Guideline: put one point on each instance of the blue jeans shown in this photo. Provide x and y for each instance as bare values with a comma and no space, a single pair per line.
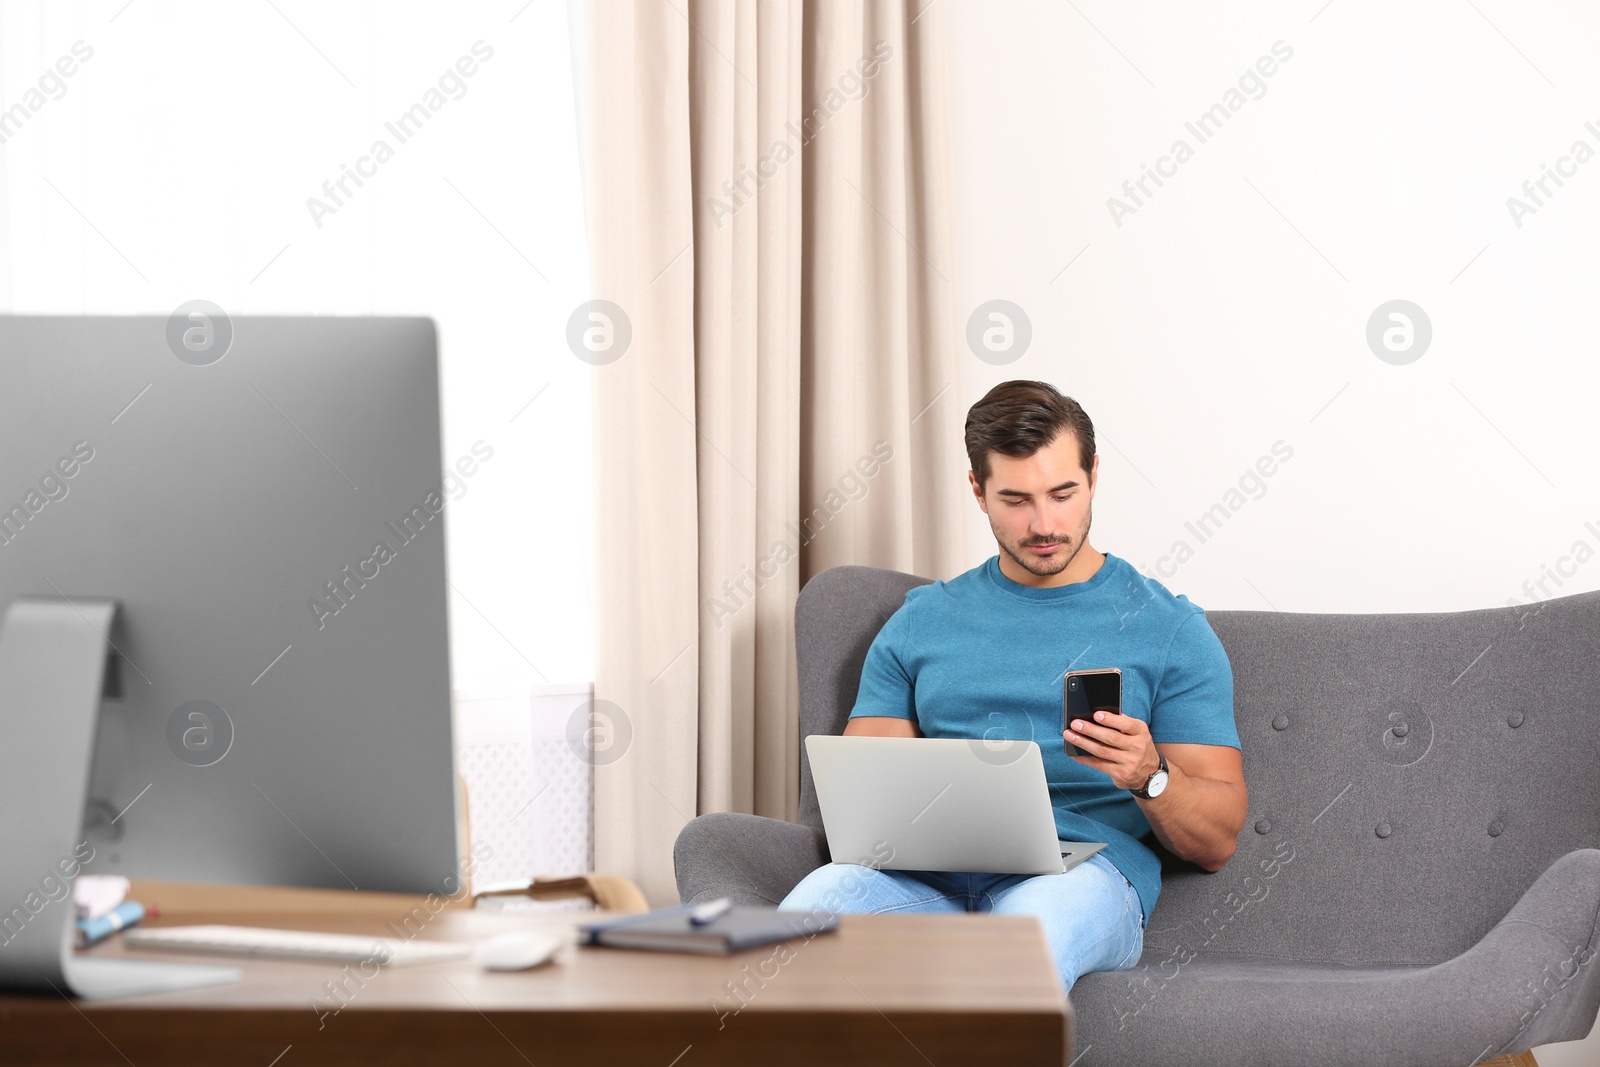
1091,915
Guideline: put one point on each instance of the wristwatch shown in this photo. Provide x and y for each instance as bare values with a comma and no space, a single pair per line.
1157,782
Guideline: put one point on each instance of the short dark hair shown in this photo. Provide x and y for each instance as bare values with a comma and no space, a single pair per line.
1018,418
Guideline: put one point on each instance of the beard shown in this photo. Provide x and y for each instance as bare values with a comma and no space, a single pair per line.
1056,562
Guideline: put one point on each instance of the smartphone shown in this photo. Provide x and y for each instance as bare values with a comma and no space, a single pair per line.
1086,692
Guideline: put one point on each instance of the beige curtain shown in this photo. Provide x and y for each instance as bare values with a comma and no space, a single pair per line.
768,207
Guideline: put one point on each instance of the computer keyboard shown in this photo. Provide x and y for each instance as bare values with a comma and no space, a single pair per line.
294,944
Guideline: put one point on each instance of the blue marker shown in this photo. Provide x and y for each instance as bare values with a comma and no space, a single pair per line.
91,931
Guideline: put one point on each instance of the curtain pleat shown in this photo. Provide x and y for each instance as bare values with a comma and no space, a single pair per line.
768,203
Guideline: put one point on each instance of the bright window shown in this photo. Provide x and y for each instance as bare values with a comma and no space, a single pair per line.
291,157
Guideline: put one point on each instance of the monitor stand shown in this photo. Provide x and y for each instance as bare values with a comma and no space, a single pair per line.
53,655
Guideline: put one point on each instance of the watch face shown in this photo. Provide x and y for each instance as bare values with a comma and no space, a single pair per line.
1158,782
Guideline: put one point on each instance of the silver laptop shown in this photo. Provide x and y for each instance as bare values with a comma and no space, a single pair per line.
939,804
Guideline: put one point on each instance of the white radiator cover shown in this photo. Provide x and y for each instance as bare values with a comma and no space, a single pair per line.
529,795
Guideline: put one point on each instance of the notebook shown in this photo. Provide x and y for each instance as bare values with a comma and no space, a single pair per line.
669,929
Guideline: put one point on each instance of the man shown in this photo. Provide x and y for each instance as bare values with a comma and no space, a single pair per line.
983,656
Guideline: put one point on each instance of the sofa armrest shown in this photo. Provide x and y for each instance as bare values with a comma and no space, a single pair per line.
1530,980
1543,952
751,859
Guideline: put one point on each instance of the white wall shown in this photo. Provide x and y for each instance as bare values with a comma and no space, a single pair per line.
1206,327
1229,311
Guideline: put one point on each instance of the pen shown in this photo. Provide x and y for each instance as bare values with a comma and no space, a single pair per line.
709,911
91,931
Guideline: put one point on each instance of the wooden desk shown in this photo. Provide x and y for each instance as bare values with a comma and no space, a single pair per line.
911,989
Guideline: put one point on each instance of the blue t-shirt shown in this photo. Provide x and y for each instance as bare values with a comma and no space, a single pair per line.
981,656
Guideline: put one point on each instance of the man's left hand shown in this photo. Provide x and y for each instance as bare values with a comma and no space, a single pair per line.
1117,744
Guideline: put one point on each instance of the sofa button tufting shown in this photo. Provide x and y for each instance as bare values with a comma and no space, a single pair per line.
1496,828
1384,830
1281,722
1514,720
1400,729
1263,826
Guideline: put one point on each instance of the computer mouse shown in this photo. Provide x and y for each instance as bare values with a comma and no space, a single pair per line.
515,952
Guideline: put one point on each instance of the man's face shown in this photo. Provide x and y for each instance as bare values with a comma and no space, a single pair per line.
1039,507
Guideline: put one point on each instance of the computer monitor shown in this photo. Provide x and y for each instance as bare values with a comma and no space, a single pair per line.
261,498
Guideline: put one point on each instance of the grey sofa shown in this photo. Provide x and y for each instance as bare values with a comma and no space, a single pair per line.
1417,882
